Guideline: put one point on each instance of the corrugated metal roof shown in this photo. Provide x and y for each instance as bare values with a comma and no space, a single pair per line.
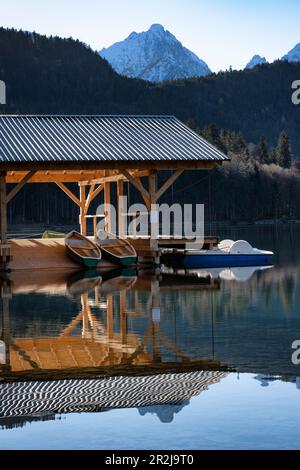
101,138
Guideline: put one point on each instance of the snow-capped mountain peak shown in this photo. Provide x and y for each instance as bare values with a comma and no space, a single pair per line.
256,60
155,55
293,55
157,28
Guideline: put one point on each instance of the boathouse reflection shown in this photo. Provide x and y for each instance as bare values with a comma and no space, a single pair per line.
97,340
68,325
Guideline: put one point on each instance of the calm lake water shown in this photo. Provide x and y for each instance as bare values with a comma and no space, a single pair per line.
125,361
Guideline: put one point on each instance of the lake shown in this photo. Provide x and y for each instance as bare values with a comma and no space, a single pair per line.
199,360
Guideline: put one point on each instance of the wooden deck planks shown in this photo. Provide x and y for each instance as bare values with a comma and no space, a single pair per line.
43,254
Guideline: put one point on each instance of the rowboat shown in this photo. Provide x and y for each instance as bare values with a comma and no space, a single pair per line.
82,250
228,253
116,250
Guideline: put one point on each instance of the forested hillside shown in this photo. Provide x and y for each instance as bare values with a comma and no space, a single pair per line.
63,76
53,75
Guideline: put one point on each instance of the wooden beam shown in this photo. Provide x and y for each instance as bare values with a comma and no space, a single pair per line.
82,219
62,176
114,178
136,182
154,224
168,183
88,199
6,332
123,317
121,209
110,317
110,165
103,179
69,193
107,207
85,315
19,186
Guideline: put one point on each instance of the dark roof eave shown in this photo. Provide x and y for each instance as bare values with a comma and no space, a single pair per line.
110,165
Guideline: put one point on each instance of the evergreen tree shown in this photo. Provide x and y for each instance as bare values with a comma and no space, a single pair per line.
212,134
272,156
263,150
283,151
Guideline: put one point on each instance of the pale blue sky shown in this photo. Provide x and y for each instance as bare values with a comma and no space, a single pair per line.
221,32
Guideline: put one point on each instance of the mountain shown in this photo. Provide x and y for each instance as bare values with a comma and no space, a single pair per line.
256,60
155,55
293,55
54,75
62,76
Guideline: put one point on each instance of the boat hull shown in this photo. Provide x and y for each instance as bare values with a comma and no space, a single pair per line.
86,262
191,261
124,261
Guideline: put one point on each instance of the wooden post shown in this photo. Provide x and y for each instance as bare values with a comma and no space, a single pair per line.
4,247
121,208
95,226
123,317
110,316
155,303
85,315
82,219
110,326
154,222
6,329
107,207
3,209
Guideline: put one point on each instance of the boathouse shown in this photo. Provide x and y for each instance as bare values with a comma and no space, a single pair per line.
96,152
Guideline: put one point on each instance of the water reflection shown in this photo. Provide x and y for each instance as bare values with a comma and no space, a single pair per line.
35,399
117,324
97,341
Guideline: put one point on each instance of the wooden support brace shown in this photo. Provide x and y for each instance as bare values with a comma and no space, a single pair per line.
95,193
168,183
69,193
136,182
88,199
19,186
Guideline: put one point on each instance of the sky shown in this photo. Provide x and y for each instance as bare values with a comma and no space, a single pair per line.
224,33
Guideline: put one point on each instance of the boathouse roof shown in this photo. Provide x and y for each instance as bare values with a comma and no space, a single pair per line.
63,139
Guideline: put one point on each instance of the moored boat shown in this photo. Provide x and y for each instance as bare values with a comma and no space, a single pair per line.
228,253
116,250
83,250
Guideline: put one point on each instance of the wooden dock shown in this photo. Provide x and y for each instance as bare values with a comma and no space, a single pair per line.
43,254
50,254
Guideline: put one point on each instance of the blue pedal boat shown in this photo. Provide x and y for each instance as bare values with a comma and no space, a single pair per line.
228,253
